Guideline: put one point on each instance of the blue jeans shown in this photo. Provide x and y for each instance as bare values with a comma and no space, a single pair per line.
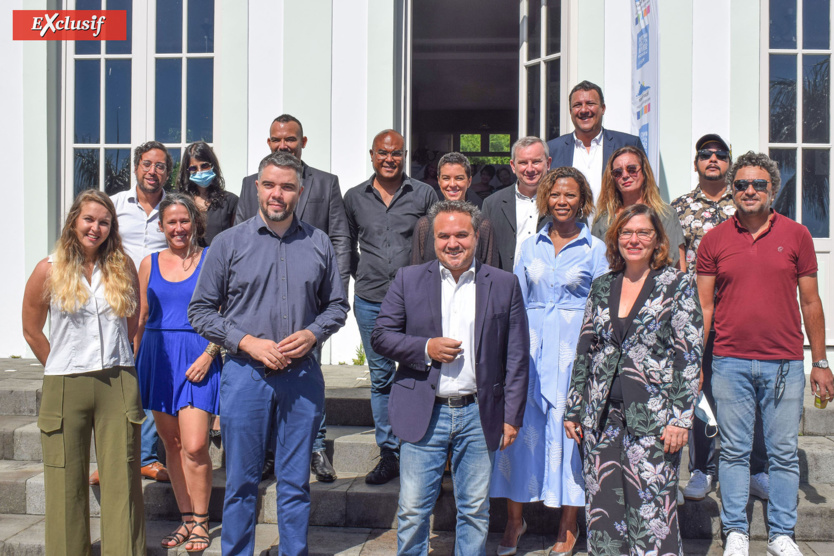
150,439
318,443
281,412
382,374
421,473
739,386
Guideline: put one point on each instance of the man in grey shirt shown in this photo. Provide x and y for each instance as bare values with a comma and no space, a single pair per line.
269,292
382,212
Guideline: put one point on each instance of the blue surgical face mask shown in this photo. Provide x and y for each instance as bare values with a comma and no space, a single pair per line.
203,179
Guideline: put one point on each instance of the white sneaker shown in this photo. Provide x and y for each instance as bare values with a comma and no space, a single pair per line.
783,545
760,485
699,485
737,544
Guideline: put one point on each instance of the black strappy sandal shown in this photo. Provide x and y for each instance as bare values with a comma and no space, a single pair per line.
177,537
199,539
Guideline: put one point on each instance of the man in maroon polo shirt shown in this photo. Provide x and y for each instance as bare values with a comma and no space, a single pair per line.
749,269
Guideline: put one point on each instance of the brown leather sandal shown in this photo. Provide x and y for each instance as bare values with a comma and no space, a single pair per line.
193,538
176,538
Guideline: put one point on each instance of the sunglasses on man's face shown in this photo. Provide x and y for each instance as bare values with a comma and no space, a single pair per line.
758,185
706,154
632,170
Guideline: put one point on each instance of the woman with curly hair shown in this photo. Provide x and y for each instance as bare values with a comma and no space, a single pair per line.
628,180
89,287
632,393
200,177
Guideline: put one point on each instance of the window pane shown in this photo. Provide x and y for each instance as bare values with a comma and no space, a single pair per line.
87,94
499,142
553,100
534,29
122,47
782,23
816,98
782,98
176,157
554,26
88,47
168,101
785,202
168,26
815,190
470,143
200,100
86,170
816,23
201,25
533,100
116,170
117,101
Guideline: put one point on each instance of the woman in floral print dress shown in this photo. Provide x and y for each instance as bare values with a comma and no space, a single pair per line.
634,384
555,269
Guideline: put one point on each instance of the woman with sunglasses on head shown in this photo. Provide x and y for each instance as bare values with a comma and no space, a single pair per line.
179,370
89,288
633,389
200,177
555,269
628,180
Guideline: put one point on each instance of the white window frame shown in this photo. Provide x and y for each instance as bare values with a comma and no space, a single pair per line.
822,246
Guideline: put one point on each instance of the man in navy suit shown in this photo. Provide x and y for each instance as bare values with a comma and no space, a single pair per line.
461,339
590,146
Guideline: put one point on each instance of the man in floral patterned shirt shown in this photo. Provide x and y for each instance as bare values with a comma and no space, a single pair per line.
700,210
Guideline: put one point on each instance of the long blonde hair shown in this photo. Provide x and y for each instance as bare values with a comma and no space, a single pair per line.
65,286
610,198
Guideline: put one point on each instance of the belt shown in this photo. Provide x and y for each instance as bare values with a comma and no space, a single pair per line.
457,401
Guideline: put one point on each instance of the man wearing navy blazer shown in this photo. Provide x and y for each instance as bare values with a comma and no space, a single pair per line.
321,206
461,339
590,145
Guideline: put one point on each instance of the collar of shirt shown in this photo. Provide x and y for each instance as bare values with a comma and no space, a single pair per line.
133,197
522,197
261,227
406,185
584,234
446,274
774,216
699,194
595,141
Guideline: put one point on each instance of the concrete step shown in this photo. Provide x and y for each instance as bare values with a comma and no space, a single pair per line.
23,536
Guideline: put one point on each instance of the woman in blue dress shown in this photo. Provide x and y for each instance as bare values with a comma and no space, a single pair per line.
555,269
179,370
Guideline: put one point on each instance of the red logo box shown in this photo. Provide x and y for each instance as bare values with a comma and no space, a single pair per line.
66,25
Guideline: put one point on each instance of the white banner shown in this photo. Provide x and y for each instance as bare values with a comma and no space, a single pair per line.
644,77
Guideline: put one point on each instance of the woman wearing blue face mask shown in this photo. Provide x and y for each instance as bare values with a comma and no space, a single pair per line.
200,177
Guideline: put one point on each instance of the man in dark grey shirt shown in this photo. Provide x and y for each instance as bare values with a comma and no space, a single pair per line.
382,213
270,291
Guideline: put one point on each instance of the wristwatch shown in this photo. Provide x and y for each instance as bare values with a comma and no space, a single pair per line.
821,364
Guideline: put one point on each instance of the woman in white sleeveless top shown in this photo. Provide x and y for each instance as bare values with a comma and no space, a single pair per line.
89,288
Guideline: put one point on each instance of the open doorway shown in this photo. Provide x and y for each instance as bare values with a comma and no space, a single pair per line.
464,87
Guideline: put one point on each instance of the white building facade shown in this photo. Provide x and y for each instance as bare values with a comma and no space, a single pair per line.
754,71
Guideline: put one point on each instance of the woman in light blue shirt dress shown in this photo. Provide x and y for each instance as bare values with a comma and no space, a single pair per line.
555,268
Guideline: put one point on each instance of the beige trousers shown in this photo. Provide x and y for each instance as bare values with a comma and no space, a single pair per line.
73,407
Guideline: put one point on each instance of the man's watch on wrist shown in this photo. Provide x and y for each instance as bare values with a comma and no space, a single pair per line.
821,364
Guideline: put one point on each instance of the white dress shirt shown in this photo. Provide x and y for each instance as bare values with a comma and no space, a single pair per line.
589,163
526,219
139,230
458,305
90,339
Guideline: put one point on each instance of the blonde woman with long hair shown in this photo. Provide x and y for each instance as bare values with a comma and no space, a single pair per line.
90,289
628,180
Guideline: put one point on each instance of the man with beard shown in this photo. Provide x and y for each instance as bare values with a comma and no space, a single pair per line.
321,206
749,269
269,292
700,210
141,236
382,212
513,211
459,332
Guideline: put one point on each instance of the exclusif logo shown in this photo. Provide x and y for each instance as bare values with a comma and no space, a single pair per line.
74,25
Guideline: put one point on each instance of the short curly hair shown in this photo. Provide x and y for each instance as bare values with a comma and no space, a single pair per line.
758,160
586,196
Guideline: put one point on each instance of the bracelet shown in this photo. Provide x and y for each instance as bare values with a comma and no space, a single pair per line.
212,350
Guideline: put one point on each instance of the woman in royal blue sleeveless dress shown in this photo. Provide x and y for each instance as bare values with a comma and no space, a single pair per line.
179,370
